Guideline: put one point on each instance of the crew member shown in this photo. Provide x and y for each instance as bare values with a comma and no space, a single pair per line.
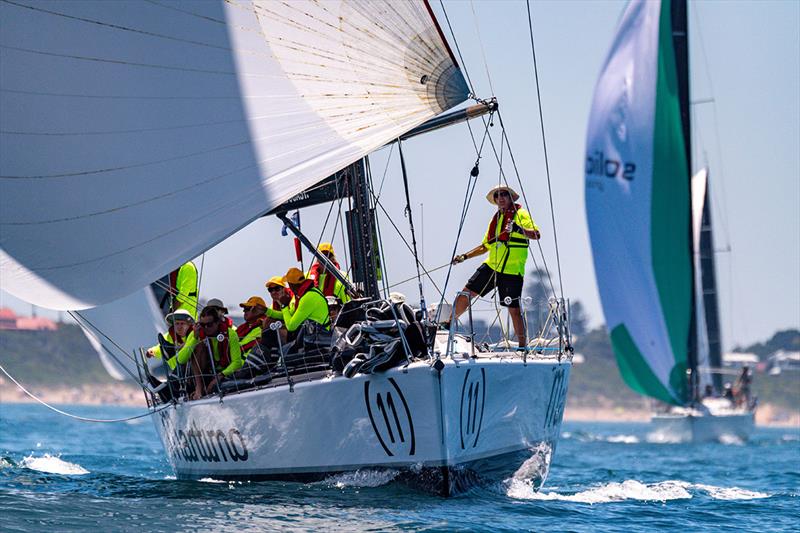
180,328
281,295
255,312
213,336
506,240
182,291
310,303
324,280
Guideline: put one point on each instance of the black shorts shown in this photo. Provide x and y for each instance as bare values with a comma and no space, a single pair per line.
484,280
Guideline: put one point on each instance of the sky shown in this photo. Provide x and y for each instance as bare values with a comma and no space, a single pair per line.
745,55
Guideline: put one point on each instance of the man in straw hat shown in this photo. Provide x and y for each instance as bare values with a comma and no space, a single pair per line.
506,240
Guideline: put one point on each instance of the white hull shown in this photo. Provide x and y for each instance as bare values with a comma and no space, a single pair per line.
479,417
691,425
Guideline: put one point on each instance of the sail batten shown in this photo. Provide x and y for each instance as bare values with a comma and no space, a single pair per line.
136,136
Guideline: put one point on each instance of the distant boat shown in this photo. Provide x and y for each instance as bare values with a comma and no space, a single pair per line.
650,229
138,135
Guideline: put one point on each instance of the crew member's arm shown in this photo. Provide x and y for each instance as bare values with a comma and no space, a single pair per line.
186,352
294,318
235,350
478,250
525,225
274,313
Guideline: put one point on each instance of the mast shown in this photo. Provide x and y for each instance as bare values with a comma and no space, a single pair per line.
680,43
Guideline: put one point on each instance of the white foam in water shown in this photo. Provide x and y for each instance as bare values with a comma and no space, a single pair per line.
210,480
362,478
623,439
633,490
53,465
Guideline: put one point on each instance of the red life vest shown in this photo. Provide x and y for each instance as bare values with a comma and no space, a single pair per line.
316,272
222,347
243,330
508,216
304,288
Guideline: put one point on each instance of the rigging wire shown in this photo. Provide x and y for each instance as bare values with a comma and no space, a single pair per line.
409,214
109,339
76,417
544,146
480,42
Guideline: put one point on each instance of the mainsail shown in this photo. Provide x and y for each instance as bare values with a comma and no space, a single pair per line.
136,135
638,202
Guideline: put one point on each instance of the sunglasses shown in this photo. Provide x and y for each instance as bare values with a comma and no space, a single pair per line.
501,193
208,324
273,289
247,308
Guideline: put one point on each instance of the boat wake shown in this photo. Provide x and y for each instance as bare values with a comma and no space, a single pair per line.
632,490
583,436
361,478
51,464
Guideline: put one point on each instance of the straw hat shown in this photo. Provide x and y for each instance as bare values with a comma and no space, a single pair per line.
495,190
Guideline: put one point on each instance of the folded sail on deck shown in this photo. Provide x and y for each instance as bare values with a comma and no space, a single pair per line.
638,204
136,135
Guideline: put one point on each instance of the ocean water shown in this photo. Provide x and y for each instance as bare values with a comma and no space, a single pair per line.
57,474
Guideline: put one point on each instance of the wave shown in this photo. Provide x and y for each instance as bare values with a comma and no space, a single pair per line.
51,464
634,490
362,478
583,436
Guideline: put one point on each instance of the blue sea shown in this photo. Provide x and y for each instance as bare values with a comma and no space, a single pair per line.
58,474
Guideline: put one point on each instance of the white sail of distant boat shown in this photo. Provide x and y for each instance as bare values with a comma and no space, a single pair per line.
162,128
137,135
648,219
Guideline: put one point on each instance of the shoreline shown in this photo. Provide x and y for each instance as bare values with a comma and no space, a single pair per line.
128,395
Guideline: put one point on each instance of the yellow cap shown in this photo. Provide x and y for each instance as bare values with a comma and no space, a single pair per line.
253,301
325,247
294,276
275,280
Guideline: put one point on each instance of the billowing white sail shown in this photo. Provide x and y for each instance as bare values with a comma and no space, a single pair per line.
699,187
135,135
121,328
638,202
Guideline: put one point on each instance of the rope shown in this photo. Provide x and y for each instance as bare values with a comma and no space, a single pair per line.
109,339
411,227
76,417
480,42
544,145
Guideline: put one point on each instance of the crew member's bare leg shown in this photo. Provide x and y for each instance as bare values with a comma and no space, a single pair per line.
462,303
519,325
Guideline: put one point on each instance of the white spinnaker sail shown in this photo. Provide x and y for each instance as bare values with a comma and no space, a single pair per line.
124,325
135,135
699,183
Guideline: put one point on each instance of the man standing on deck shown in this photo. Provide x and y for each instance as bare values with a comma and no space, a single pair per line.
506,240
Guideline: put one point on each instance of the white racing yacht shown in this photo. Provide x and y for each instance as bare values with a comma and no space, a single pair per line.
115,112
651,233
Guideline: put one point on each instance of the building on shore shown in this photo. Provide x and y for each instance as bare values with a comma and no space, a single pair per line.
9,320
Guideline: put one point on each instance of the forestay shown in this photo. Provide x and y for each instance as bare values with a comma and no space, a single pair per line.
638,202
136,135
